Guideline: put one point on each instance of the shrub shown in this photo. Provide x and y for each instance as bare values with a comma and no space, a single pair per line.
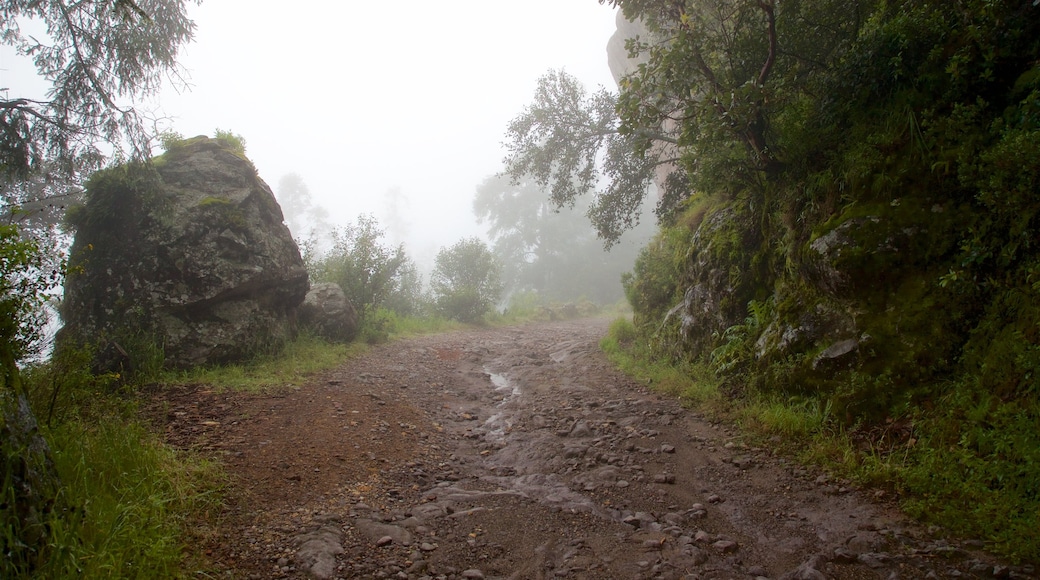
467,280
370,272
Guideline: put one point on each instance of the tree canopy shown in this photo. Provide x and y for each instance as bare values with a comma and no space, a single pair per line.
568,141
98,57
704,108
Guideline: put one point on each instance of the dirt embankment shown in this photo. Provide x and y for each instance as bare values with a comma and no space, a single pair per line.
521,453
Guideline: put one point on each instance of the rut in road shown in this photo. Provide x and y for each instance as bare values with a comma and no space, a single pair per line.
522,453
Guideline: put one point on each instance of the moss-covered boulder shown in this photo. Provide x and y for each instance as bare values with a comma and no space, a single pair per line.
188,251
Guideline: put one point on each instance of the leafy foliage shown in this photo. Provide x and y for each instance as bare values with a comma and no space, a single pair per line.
25,283
98,56
558,142
466,280
369,272
234,141
879,163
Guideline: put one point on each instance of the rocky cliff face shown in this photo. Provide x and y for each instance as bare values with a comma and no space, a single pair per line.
190,252
617,55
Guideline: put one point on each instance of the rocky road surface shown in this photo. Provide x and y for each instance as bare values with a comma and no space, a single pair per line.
521,453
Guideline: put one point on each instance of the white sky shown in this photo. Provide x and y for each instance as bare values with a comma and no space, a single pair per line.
360,98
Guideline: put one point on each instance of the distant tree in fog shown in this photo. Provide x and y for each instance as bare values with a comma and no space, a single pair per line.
551,250
302,217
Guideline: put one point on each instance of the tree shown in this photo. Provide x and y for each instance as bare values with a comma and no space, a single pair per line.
567,141
368,271
553,251
720,70
701,107
299,210
98,56
466,280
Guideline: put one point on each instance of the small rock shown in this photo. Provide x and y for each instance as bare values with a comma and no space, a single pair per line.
384,541
725,546
653,544
757,571
714,498
844,555
871,560
473,574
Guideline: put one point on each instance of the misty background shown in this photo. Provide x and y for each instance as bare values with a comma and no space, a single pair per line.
390,109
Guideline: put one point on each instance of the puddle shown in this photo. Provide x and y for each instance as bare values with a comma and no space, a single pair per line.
545,488
499,423
502,383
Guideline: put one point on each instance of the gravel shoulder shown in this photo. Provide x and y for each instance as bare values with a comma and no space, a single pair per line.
522,453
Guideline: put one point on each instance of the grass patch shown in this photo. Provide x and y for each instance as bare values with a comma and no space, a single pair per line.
301,358
693,384
128,506
129,502
969,462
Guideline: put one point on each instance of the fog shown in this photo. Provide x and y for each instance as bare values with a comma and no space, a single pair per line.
394,109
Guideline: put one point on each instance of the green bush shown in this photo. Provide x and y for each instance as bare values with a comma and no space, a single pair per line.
466,280
236,142
372,274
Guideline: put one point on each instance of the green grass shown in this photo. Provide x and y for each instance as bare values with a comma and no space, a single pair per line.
971,463
292,366
129,502
693,384
128,505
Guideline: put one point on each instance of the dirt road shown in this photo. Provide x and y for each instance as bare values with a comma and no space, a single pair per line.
521,453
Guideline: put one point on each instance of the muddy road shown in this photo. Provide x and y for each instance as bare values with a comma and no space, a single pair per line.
521,453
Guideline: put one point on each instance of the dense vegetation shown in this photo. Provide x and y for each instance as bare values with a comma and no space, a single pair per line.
862,208
852,186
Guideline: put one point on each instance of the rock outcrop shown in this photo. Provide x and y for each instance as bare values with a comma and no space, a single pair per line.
189,252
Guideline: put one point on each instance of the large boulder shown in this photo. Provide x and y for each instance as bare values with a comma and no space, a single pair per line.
327,311
189,252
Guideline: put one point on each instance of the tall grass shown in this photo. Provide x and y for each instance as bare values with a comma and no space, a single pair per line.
693,384
126,503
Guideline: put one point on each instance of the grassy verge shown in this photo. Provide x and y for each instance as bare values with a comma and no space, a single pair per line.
128,506
299,359
129,503
969,462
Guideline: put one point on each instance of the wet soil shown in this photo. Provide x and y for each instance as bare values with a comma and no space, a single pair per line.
522,453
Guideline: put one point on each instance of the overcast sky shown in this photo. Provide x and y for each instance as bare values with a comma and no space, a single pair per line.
360,98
